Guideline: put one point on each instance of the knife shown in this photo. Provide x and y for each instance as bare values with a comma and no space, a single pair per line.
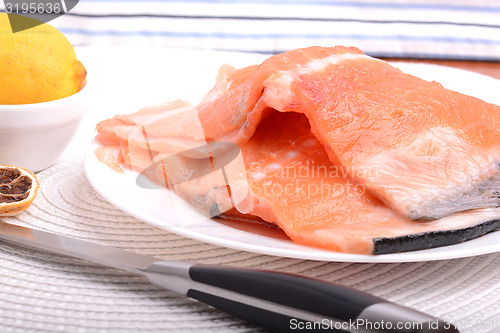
277,301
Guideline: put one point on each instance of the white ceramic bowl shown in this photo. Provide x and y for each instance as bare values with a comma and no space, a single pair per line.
33,136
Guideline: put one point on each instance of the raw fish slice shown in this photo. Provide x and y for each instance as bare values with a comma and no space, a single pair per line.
290,181
151,134
169,127
233,109
111,156
290,178
424,150
165,144
294,184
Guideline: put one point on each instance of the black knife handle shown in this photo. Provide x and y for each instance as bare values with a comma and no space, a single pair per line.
288,303
290,298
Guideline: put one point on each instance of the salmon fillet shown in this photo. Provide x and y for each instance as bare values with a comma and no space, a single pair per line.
290,181
314,141
422,149
317,204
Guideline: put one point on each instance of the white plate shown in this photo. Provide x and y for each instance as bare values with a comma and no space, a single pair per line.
161,208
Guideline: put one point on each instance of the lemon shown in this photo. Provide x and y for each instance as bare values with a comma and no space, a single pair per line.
37,64
18,189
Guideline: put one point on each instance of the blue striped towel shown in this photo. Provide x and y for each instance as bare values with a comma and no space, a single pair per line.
437,29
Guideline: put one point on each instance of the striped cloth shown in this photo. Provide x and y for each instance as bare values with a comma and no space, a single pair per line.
429,29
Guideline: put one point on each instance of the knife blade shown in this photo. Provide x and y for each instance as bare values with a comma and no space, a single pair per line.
277,301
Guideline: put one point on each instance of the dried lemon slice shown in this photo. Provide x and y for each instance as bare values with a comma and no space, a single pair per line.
18,188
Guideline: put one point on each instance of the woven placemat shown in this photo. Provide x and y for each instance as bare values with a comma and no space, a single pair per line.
41,292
